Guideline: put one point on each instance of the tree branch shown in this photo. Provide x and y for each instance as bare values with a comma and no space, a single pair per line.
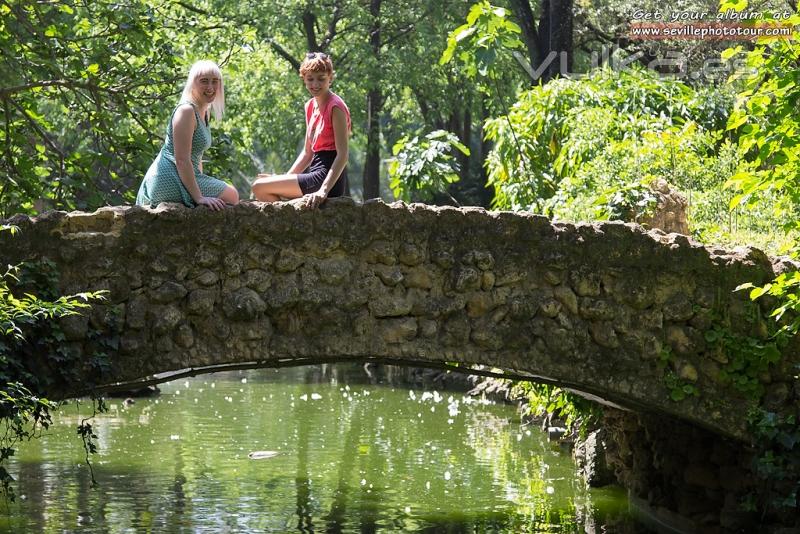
408,28
281,51
10,91
9,156
524,13
600,33
190,7
39,130
331,33
124,86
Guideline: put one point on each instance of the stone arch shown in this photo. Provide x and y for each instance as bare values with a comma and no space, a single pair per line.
592,307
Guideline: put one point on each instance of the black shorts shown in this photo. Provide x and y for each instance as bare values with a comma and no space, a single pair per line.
311,180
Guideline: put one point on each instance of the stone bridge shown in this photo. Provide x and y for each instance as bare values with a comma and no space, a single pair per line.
607,309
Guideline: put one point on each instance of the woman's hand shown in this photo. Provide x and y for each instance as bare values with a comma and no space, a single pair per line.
313,200
213,203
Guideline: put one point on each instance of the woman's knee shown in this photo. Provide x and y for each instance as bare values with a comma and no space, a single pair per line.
230,195
273,188
260,190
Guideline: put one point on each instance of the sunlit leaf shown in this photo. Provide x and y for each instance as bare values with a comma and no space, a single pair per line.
464,33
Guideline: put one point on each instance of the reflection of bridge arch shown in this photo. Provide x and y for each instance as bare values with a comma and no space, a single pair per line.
593,307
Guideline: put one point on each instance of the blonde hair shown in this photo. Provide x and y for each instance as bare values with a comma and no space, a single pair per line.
316,62
200,68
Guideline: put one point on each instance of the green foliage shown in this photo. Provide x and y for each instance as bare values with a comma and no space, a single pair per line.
618,182
482,47
15,313
569,129
595,148
87,435
679,389
487,32
76,101
786,289
23,411
422,168
24,416
776,463
545,400
766,123
746,358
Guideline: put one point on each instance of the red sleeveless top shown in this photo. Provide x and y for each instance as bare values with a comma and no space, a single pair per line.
319,123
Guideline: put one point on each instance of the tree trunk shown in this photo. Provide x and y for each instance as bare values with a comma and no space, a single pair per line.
522,10
372,157
466,138
484,148
553,34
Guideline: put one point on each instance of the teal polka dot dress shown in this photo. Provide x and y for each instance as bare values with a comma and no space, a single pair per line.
162,183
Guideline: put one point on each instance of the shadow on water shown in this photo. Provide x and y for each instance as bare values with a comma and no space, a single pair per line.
335,519
372,374
178,494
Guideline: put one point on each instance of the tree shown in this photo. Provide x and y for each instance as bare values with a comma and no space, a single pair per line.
551,36
79,82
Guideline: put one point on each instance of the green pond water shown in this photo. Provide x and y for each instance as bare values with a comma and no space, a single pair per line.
351,457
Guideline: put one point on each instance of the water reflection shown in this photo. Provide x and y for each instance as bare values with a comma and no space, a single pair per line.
351,458
302,480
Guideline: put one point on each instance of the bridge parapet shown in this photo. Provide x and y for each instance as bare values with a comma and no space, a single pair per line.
599,308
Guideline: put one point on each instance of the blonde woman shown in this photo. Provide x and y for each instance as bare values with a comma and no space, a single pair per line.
176,175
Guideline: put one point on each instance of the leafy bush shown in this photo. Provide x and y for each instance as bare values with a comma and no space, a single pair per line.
544,400
589,149
765,121
554,130
424,167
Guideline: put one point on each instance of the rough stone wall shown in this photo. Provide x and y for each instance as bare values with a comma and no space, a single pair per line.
678,468
589,306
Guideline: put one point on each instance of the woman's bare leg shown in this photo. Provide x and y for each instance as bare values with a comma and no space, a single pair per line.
273,188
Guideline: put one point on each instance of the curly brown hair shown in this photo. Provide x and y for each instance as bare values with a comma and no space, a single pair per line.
316,62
